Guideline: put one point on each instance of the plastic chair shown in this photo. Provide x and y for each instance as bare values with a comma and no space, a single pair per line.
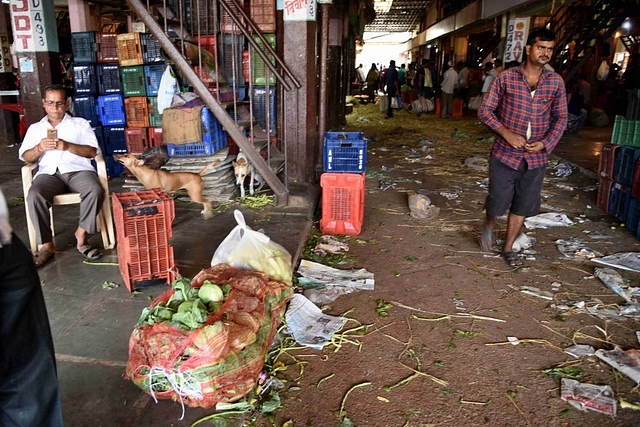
105,217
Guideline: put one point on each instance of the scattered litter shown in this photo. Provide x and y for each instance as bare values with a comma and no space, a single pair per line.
638,336
563,170
109,285
422,141
580,350
533,291
484,184
624,260
596,235
421,207
308,325
625,361
623,312
614,281
628,405
459,304
555,286
513,340
588,188
588,396
489,139
459,134
324,284
362,120
449,196
523,241
385,185
477,162
545,220
574,248
565,187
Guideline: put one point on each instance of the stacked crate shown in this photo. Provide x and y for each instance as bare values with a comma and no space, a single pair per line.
143,223
343,182
213,139
619,174
141,69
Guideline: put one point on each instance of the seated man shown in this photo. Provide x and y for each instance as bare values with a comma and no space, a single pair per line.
63,147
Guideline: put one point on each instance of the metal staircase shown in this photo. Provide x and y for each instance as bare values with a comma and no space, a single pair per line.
579,27
184,31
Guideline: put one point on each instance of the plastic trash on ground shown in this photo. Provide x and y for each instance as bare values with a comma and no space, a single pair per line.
616,283
588,396
624,260
421,207
625,361
308,325
523,241
324,284
546,220
580,350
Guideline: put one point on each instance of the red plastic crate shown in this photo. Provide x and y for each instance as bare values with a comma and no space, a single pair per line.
143,223
635,186
604,193
137,111
342,203
208,42
155,136
106,47
137,140
607,160
227,25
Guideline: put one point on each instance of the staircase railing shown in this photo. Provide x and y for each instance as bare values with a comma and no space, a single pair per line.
219,111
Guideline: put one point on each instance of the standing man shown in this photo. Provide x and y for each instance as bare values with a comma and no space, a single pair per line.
29,393
448,85
361,76
64,165
526,106
392,85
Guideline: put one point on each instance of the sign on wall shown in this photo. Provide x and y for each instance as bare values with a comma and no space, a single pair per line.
299,10
517,33
34,26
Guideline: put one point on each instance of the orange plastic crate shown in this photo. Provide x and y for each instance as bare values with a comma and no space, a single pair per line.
106,47
137,111
155,136
263,15
137,140
129,49
143,223
342,203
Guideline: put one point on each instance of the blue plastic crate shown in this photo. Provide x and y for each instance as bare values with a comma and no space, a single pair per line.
115,140
633,215
85,80
259,107
108,78
100,137
215,142
619,201
111,110
152,76
85,107
625,165
210,126
114,167
344,152
83,46
230,58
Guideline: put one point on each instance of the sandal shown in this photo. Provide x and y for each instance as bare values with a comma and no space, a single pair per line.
41,257
486,239
90,252
512,259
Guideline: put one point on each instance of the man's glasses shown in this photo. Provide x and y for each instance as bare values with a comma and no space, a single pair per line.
52,103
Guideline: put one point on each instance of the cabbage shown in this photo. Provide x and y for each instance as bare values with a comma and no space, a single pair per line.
210,292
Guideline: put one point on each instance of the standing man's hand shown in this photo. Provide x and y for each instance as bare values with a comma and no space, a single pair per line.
513,139
534,147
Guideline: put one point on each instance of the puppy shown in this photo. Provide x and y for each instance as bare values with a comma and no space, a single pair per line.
169,181
242,168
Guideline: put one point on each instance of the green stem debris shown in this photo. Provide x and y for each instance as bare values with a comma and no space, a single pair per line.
344,399
324,379
429,319
217,415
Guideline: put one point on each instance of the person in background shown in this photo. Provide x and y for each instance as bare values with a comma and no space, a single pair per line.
512,64
372,82
410,74
402,71
576,114
526,106
29,391
392,86
489,75
448,85
463,80
497,65
360,76
64,165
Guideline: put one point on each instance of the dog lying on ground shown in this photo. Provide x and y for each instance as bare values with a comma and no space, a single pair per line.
242,168
169,181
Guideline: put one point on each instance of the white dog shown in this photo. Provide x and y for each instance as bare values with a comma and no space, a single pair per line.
242,168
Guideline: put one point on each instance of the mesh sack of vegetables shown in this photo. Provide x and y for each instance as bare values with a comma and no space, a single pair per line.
204,342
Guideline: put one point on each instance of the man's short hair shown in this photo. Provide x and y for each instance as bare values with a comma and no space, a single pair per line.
54,88
542,34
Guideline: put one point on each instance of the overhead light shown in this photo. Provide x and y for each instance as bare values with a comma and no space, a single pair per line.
626,24
382,6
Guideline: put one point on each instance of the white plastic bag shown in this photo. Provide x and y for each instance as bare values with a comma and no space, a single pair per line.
168,87
474,102
603,71
251,250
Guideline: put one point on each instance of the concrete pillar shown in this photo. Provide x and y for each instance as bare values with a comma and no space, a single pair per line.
8,119
299,53
80,16
35,36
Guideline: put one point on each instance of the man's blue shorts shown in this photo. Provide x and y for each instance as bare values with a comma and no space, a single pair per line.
515,190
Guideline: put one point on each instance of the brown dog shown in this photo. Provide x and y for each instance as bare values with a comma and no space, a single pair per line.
169,181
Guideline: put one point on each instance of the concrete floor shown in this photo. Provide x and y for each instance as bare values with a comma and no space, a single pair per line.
91,326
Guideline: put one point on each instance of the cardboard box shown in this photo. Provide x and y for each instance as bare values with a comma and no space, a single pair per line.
182,125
